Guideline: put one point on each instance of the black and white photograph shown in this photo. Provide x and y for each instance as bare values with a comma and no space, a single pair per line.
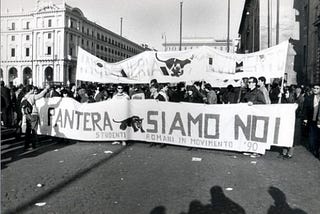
160,107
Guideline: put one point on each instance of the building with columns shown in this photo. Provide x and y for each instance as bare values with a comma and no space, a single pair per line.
41,46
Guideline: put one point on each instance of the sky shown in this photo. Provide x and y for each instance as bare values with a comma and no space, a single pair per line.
146,21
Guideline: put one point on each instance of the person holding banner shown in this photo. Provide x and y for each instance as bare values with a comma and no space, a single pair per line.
242,90
31,114
164,91
311,119
211,94
120,94
197,95
154,90
254,95
262,87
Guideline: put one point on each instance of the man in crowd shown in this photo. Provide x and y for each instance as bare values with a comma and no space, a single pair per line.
254,95
6,104
311,118
120,94
211,94
242,90
263,89
197,96
154,91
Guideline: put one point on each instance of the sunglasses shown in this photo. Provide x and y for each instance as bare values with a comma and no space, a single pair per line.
120,88
250,82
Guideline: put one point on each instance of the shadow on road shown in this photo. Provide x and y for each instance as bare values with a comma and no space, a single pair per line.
221,204
280,203
60,186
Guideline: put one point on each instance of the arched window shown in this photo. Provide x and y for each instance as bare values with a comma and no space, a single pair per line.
48,73
27,76
13,74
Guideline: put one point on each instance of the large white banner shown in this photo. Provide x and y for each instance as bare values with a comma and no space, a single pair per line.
204,63
236,127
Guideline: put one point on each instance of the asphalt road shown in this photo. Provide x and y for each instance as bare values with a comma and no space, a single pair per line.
85,177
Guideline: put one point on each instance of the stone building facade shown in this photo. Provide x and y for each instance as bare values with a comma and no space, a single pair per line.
259,30
41,46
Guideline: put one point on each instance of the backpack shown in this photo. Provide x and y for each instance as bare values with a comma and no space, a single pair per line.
26,107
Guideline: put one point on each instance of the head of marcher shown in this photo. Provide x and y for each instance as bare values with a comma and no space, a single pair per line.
120,89
252,83
197,85
261,81
30,89
316,89
207,87
244,82
154,89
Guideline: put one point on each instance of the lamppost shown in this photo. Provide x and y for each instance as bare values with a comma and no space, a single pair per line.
252,16
277,23
121,26
228,36
180,42
164,36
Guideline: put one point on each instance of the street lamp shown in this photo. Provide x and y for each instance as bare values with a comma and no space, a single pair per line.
180,26
164,36
228,36
252,16
121,26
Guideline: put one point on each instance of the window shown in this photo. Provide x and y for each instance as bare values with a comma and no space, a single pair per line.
71,37
27,25
82,29
49,50
82,41
13,52
49,35
70,51
13,26
27,51
13,38
49,23
27,37
98,46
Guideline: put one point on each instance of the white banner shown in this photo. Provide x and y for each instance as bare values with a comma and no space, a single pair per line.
204,63
236,127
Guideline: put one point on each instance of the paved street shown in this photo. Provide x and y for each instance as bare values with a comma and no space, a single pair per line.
84,177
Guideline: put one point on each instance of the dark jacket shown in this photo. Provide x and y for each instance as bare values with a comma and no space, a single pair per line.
255,96
308,108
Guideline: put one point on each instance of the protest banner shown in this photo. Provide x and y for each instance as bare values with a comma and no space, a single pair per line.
204,63
235,127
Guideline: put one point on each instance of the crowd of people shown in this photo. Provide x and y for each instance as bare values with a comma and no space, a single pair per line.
252,90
